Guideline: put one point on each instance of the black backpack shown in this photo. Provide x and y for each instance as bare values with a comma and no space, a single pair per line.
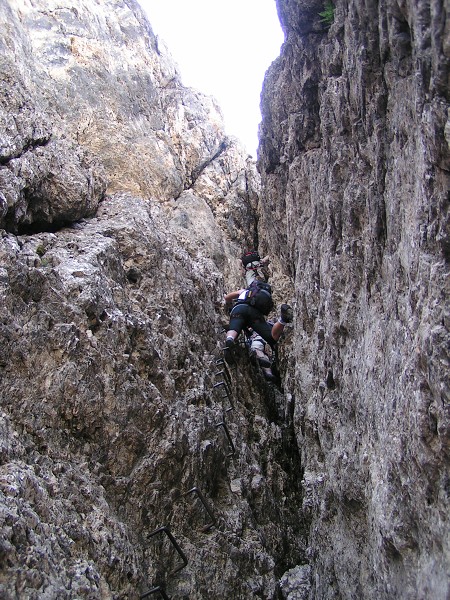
249,257
259,295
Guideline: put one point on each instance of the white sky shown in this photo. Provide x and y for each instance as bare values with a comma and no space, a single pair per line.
223,48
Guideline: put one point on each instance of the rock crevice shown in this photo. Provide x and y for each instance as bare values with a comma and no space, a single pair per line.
121,229
119,238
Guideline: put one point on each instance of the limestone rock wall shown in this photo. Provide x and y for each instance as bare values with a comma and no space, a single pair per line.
89,90
354,160
124,208
109,416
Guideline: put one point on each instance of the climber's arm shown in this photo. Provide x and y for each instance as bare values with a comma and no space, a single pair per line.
232,296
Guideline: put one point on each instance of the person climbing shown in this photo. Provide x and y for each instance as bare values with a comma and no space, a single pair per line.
251,306
255,267
262,353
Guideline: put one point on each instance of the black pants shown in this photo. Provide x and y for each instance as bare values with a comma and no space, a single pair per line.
244,315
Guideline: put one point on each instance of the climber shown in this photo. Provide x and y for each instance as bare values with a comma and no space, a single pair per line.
262,353
254,267
251,305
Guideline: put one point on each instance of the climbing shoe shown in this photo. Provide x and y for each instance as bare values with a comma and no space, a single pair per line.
287,314
228,351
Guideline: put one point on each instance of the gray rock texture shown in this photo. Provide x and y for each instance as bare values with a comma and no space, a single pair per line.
109,417
124,208
354,160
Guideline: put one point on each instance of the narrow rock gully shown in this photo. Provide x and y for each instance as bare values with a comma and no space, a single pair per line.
257,459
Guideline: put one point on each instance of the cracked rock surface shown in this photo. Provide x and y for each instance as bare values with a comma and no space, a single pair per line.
354,160
110,415
124,210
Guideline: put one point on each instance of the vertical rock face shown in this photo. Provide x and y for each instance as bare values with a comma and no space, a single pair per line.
89,82
123,210
354,159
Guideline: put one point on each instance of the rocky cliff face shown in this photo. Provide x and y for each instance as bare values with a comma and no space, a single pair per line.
124,210
354,160
124,207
